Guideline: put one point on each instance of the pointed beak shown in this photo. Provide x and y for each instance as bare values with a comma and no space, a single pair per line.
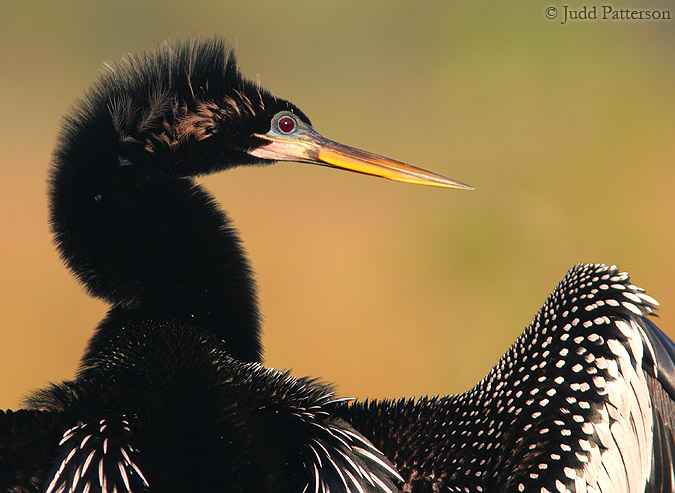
309,146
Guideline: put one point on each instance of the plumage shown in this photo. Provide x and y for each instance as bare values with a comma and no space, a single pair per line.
173,411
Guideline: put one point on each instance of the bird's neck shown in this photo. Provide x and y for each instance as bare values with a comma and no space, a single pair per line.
154,244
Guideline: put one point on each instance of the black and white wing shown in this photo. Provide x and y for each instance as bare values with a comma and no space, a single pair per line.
592,381
583,401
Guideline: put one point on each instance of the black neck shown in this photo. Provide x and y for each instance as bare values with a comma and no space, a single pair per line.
128,219
154,243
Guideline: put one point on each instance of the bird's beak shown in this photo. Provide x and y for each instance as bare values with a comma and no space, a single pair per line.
309,146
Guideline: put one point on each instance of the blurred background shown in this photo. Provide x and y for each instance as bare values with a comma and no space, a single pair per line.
566,131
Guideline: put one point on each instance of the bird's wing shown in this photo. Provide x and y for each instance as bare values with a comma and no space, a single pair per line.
610,381
97,456
583,400
28,441
640,400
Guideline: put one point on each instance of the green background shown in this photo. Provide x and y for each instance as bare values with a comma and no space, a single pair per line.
386,289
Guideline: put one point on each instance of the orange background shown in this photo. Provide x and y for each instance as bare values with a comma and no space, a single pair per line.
567,132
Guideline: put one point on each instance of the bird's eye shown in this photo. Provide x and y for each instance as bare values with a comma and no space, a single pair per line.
286,124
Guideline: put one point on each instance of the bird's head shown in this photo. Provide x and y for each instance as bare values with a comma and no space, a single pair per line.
282,132
187,109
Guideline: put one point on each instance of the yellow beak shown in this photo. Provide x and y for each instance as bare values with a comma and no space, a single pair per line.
306,145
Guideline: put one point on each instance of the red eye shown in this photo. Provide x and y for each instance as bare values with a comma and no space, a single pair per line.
286,124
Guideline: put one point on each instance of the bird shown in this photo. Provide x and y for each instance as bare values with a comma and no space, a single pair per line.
171,394
583,401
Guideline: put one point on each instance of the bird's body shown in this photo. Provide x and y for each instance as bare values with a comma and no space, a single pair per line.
171,395
162,405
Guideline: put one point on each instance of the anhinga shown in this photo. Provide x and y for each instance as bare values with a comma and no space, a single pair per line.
170,394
